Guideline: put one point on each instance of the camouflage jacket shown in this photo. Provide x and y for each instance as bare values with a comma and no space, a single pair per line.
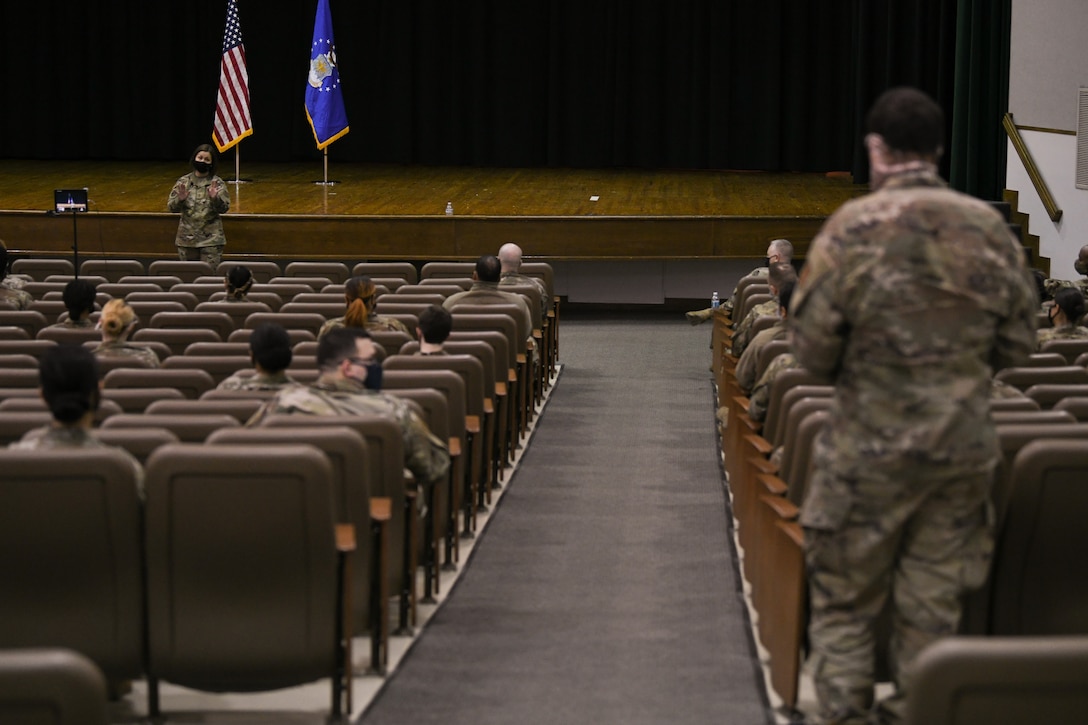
743,333
424,454
257,381
14,299
57,436
911,298
200,225
759,273
761,391
1065,332
374,322
748,365
117,348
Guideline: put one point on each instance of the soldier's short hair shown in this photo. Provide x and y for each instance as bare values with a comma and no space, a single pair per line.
338,344
781,273
488,268
1071,302
908,120
271,346
435,323
783,248
79,297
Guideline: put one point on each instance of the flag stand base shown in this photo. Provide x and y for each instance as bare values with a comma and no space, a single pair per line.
323,182
239,181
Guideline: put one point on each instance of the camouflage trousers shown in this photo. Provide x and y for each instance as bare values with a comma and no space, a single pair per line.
924,542
212,255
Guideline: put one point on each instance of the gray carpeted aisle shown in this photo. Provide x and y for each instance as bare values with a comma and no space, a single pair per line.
604,589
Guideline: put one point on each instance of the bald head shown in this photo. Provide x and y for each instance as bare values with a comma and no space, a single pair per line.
1081,265
510,257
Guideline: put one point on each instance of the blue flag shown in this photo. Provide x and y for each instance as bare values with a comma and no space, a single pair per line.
324,97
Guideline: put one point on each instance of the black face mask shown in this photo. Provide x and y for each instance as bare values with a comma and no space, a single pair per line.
202,166
373,376
1051,317
767,262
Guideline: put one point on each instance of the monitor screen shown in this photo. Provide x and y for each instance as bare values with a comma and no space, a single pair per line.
66,200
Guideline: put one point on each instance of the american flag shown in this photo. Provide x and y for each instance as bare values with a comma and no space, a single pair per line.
232,121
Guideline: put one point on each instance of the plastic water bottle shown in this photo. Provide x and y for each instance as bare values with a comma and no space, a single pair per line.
449,208
714,301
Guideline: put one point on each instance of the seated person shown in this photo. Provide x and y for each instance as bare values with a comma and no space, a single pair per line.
434,328
79,298
780,250
238,282
118,320
360,294
510,259
69,386
1065,314
485,291
747,366
350,383
780,274
1081,266
270,352
12,294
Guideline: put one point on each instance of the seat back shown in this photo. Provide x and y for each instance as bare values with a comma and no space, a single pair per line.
15,424
190,428
442,270
262,270
162,281
236,311
1010,404
201,290
106,407
405,270
111,269
309,321
542,271
136,400
191,383
18,360
187,299
141,441
186,270
29,320
70,555
789,387
177,339
69,335
1039,586
1012,680
1048,395
241,409
337,272
242,572
1074,405
220,367
219,322
51,686
437,286
1025,377
38,268
273,300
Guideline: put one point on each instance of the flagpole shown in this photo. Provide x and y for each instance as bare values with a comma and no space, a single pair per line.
238,166
325,166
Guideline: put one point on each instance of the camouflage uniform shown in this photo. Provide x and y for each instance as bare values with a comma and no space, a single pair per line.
257,381
488,293
52,436
1053,286
744,327
1065,332
424,454
14,299
14,282
761,391
516,278
759,273
748,366
1000,390
374,322
117,348
913,296
200,230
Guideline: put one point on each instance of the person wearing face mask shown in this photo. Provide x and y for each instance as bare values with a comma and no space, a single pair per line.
349,383
201,197
911,298
1081,266
1066,314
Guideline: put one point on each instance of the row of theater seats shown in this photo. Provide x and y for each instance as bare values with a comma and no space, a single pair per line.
1034,589
480,398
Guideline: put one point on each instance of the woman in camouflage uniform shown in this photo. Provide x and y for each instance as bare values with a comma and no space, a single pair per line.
361,296
201,197
1065,314
117,322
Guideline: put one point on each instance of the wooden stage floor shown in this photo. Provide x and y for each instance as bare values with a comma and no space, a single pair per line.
397,212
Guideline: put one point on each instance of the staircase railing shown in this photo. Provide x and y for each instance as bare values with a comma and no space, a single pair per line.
1052,208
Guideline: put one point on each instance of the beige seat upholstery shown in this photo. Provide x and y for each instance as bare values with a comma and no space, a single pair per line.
404,270
244,577
337,272
70,335
201,290
165,281
51,686
237,311
189,428
441,270
141,441
106,407
1048,395
309,321
437,286
186,270
1007,680
18,360
70,555
219,322
218,348
220,367
111,269
187,299
13,332
1025,377
273,300
147,309
296,335
16,423
328,309
136,400
1075,406
191,383
40,267
313,283
241,409
29,320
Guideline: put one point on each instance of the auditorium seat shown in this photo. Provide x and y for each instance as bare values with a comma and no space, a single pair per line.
70,555
16,423
29,320
433,287
390,341
189,428
187,299
165,281
219,322
51,685
191,383
18,360
443,270
111,269
52,309
1040,585
404,270
176,338
64,279
309,321
296,335
449,284
106,407
39,268
141,441
1046,360
1024,377
1075,406
347,454
322,297
329,309
25,347
186,270
146,309
262,270
1006,680
234,530
416,298
273,300
1048,395
136,400
313,282
14,332
202,292
337,272
70,335
237,311
241,409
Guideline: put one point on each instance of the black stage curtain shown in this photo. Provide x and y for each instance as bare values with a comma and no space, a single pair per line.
775,85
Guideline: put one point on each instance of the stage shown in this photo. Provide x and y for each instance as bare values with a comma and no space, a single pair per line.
387,212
